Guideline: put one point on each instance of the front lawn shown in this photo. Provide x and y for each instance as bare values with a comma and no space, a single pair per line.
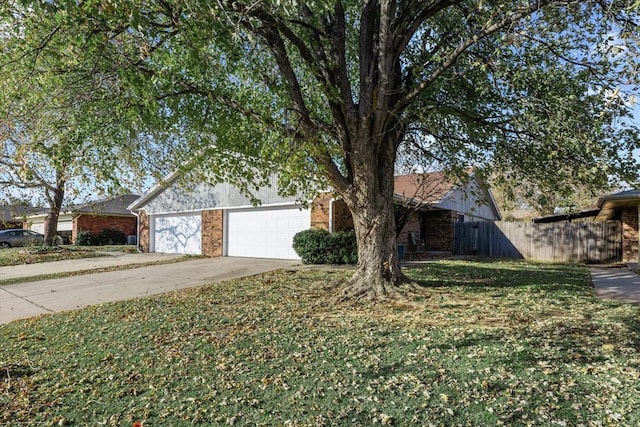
36,254
484,343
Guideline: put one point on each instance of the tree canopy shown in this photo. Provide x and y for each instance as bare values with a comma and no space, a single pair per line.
61,140
341,90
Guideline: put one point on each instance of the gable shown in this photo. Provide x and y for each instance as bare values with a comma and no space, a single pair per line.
471,200
436,190
179,196
427,187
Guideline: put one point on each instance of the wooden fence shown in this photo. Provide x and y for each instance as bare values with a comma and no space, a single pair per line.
589,242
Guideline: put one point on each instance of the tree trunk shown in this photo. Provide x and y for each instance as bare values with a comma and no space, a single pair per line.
51,222
378,275
371,202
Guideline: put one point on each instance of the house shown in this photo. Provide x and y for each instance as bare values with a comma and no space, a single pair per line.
12,216
623,207
437,203
93,217
217,220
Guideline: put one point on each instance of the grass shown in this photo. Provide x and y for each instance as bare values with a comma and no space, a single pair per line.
61,275
36,254
483,343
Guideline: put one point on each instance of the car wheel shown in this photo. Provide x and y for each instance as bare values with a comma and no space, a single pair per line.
4,245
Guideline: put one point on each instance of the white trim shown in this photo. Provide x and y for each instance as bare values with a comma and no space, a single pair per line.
225,232
163,184
331,214
152,233
224,208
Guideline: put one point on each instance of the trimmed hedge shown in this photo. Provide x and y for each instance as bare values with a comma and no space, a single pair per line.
84,238
322,247
108,236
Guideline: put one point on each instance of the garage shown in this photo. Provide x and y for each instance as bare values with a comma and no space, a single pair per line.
265,232
177,234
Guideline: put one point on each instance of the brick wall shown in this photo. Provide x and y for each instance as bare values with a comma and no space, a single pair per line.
320,211
629,219
342,219
439,230
212,233
143,236
413,225
320,207
95,224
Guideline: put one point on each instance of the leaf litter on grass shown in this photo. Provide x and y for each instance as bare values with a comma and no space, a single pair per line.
480,343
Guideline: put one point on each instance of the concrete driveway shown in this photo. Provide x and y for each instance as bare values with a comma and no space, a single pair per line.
25,300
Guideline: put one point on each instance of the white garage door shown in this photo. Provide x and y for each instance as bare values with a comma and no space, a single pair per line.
178,234
64,224
265,233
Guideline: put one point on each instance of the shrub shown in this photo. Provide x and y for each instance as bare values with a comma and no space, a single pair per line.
110,236
84,238
322,247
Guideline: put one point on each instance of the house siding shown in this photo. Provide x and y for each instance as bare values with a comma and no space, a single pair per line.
95,224
212,233
629,217
470,200
180,197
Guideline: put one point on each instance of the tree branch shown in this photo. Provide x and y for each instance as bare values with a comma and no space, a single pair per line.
464,46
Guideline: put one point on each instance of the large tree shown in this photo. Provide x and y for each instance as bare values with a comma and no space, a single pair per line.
61,140
337,89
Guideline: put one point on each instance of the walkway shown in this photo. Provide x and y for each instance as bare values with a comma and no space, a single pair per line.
616,283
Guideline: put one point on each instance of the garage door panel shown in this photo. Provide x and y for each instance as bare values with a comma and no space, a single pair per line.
178,234
265,233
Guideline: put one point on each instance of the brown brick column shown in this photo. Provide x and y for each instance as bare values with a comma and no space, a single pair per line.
212,233
630,234
143,231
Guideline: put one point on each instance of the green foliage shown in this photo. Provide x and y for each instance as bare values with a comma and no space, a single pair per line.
85,238
482,343
321,247
336,92
110,236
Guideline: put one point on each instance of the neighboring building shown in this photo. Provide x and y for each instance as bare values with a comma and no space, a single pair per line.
623,207
93,217
217,220
12,216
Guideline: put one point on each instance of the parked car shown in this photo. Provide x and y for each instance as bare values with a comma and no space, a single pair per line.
19,237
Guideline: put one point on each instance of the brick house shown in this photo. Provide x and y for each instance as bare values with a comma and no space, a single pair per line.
624,207
218,220
94,217
432,204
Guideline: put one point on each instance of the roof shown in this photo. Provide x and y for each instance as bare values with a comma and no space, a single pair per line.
10,213
567,217
110,206
429,190
611,202
628,195
427,187
116,206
